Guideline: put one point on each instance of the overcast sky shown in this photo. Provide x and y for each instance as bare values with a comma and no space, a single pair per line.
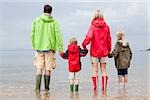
74,18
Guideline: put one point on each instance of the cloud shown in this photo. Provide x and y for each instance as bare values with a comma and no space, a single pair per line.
75,18
81,13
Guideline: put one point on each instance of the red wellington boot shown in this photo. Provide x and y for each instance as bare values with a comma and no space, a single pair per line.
104,83
94,83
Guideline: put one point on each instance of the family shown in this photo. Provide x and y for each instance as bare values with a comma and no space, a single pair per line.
46,37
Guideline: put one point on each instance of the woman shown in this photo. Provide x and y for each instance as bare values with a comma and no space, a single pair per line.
99,38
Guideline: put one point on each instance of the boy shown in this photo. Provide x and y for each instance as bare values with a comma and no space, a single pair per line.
122,55
73,55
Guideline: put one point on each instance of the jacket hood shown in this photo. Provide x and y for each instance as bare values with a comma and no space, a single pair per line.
73,48
46,18
99,22
123,44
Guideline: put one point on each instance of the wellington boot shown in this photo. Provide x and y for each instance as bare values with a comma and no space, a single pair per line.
38,83
94,83
46,82
71,87
104,83
76,87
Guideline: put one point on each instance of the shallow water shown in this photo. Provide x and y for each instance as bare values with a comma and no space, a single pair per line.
17,76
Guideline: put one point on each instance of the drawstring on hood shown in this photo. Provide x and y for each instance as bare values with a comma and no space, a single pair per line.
46,18
99,22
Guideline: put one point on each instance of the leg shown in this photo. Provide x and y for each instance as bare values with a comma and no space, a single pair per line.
71,79
125,75
38,80
38,71
95,69
104,76
76,81
103,69
125,79
47,72
48,66
121,78
95,75
76,85
47,79
39,64
121,81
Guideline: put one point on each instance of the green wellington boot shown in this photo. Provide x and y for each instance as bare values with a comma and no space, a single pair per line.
47,82
38,83
71,87
76,87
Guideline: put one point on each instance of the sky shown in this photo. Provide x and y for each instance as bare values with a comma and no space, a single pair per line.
16,18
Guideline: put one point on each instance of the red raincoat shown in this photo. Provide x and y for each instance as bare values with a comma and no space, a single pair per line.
73,55
99,36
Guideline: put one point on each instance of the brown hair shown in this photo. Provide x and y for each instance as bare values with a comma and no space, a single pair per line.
47,9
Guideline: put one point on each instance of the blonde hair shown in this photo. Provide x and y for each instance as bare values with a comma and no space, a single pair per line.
119,35
73,41
98,14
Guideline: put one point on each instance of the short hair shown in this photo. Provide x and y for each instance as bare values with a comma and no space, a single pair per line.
47,9
73,41
98,14
119,34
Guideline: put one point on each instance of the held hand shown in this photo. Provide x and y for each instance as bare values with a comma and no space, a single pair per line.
109,55
61,53
86,50
84,46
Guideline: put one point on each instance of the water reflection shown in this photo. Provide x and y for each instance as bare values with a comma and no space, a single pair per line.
102,96
122,93
95,95
44,96
74,96
47,96
38,96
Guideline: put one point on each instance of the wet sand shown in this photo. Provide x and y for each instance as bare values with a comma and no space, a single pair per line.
61,92
122,95
17,80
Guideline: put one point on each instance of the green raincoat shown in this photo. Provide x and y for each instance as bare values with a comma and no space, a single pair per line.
46,34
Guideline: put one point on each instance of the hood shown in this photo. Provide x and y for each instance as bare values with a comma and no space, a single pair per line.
46,18
73,48
99,22
123,44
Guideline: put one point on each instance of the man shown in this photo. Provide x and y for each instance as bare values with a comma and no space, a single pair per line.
45,36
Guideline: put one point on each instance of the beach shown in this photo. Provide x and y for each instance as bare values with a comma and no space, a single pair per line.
17,79
17,73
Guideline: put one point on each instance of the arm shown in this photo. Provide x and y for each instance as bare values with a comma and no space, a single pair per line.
64,55
130,52
109,40
115,52
58,34
88,38
83,52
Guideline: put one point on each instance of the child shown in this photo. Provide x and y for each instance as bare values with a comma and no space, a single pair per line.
122,55
73,55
